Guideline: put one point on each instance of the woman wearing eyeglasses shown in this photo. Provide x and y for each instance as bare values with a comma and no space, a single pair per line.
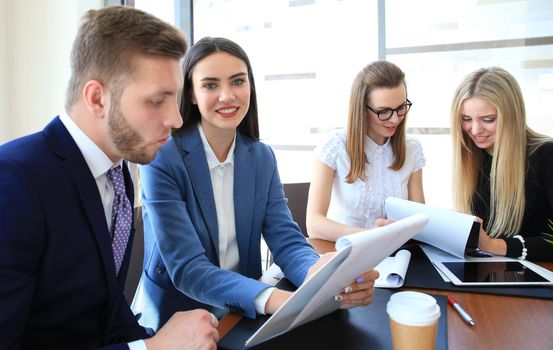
359,167
504,169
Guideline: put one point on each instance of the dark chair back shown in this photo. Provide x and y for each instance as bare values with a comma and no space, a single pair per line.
297,202
137,257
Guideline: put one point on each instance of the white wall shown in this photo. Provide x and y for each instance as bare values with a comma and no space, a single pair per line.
35,44
4,107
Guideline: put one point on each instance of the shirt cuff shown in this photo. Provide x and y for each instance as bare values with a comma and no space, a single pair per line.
137,345
261,300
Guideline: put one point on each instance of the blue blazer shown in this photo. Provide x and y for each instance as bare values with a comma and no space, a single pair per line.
58,287
181,263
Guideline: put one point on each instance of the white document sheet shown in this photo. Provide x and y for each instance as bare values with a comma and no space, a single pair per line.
356,254
393,270
447,229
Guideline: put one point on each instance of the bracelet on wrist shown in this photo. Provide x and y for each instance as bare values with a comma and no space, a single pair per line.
524,250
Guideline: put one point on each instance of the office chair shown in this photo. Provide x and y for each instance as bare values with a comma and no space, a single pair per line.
297,203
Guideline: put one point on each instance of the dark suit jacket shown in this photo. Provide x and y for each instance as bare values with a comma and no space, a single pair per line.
58,287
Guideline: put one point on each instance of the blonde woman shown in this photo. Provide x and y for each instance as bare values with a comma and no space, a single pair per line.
358,168
503,169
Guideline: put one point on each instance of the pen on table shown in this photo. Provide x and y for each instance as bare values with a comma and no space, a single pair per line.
461,311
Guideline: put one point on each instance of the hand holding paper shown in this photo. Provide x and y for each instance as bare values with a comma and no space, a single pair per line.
356,253
358,293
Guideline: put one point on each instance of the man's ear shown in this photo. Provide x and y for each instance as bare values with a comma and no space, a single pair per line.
94,97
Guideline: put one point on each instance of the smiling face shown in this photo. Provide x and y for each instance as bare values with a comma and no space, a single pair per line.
141,118
479,121
381,99
221,90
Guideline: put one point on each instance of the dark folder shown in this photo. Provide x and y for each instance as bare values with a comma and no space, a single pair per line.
358,328
422,274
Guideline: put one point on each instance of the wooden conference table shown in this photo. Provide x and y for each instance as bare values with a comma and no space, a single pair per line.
502,322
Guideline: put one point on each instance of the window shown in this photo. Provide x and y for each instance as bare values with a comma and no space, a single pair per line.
306,53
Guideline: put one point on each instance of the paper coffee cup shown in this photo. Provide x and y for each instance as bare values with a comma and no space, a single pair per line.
413,320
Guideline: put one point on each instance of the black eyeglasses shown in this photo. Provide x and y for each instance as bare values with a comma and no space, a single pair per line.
387,113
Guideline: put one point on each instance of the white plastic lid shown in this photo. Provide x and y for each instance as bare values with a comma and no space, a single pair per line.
413,308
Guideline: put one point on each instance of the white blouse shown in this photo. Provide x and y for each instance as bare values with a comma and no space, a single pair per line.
361,203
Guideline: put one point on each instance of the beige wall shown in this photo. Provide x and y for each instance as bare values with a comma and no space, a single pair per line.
35,43
4,109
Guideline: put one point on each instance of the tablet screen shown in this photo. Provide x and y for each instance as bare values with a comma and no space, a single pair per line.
493,271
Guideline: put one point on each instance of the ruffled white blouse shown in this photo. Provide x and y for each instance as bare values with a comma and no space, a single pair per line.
361,203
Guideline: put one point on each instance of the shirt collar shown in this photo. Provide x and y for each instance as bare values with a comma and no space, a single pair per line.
372,147
98,162
212,160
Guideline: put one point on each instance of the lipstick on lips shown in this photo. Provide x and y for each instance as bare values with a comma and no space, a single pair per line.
479,139
228,112
391,129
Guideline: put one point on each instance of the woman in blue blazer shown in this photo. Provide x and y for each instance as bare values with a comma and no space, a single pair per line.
210,194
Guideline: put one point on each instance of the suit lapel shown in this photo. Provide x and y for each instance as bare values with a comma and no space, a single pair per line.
195,161
244,197
72,160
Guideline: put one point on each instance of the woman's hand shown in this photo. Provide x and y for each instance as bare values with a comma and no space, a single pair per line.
317,265
359,293
490,245
381,222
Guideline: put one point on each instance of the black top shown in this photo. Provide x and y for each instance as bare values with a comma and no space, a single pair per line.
539,204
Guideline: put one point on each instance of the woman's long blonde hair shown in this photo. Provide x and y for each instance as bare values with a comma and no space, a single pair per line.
514,143
379,74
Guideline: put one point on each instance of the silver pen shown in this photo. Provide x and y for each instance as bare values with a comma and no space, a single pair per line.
465,315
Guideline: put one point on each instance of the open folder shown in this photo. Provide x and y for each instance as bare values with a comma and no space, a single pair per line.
356,253
447,230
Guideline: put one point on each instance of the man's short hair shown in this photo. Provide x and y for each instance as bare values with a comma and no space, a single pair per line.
109,39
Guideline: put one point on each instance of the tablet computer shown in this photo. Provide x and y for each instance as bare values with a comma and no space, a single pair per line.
495,272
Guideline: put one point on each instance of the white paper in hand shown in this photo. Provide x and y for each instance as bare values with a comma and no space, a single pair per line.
447,229
356,254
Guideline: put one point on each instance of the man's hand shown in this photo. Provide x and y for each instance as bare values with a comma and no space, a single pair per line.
192,330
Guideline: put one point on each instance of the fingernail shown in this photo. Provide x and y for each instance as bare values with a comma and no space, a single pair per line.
348,289
338,298
360,280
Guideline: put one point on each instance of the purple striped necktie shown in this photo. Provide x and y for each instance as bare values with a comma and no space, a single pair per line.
121,216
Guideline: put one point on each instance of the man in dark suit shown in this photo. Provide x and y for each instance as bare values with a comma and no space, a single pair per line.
66,207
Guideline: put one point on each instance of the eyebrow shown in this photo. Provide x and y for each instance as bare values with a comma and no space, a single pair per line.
401,104
163,93
217,79
481,116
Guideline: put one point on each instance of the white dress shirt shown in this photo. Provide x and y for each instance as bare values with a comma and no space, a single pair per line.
222,181
99,164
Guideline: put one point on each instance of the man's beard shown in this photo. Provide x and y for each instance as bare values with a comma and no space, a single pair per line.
127,141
